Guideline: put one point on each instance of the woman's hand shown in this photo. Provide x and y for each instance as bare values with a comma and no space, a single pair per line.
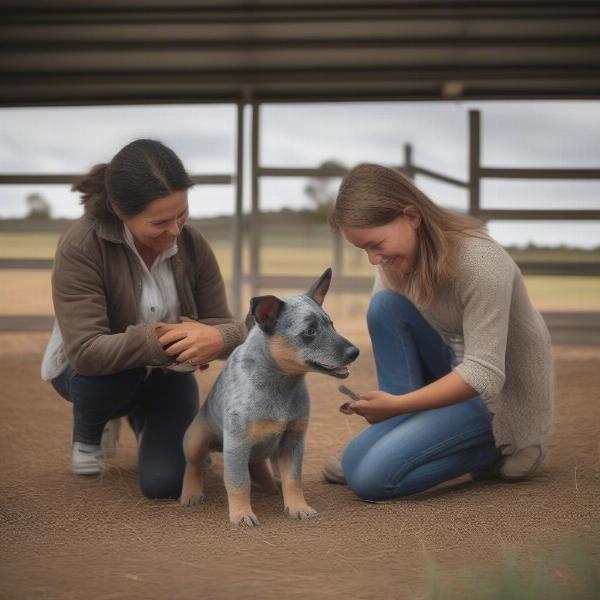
190,341
376,406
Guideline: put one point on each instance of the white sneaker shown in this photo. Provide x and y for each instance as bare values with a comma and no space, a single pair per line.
110,437
333,472
86,459
522,464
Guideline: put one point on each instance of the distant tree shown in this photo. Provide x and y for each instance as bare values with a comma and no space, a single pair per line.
39,207
322,190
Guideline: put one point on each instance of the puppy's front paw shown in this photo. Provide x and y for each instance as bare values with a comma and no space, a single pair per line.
302,512
192,500
244,520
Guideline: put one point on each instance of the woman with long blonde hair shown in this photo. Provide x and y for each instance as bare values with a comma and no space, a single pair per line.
464,360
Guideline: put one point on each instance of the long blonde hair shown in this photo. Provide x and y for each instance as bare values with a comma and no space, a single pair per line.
372,195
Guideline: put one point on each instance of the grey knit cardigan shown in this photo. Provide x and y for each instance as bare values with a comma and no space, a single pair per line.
500,341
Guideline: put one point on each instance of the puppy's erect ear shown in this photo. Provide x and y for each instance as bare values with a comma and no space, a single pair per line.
319,289
265,310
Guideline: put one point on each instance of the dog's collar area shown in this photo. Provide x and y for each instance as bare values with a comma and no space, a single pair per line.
339,372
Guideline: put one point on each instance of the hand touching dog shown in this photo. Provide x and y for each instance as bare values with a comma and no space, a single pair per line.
190,341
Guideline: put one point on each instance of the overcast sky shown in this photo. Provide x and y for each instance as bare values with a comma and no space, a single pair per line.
518,134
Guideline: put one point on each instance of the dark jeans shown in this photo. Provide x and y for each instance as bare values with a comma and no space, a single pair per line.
159,409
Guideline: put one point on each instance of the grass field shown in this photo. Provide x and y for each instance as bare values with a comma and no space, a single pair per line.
304,253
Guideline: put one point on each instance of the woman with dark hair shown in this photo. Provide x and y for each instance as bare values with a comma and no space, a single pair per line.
464,360
140,304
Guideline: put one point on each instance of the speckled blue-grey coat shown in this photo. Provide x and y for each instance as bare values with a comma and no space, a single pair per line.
259,406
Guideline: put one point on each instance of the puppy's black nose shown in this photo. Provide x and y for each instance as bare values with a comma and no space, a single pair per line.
352,352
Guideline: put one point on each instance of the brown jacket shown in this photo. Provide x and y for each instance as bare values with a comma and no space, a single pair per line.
96,286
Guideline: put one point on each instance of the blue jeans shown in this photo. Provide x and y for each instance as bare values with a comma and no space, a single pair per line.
413,452
159,409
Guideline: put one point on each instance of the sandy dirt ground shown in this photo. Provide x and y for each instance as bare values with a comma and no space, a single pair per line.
63,537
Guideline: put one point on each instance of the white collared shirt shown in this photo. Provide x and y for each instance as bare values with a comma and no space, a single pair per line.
159,300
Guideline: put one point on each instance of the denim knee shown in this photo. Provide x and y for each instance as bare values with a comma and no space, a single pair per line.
365,481
158,486
373,484
368,484
388,307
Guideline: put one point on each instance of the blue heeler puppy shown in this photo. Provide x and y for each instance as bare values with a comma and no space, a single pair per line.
258,407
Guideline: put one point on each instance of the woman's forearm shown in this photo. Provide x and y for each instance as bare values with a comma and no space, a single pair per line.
378,405
450,389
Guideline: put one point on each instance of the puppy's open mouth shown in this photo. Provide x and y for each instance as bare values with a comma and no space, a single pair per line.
339,372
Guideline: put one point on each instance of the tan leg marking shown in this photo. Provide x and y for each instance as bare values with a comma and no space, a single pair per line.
293,496
259,430
286,357
261,474
195,447
240,511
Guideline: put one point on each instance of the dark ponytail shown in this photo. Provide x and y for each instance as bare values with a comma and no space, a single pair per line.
139,173
92,188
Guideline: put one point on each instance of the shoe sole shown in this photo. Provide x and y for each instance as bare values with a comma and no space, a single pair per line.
83,463
86,470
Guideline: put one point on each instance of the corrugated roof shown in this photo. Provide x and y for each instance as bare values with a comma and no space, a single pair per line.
135,51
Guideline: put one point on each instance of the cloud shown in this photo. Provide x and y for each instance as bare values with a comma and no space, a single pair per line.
46,140
519,134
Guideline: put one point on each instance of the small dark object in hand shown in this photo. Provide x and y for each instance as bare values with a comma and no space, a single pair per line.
345,408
